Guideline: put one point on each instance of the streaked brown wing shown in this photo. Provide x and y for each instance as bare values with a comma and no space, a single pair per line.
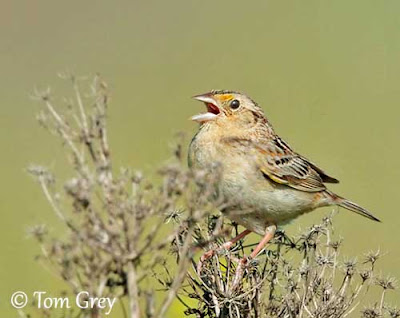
278,162
325,178
282,165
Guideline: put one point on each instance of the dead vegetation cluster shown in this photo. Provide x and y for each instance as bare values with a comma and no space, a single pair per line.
136,239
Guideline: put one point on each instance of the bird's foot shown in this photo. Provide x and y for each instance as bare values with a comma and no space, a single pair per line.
207,255
242,264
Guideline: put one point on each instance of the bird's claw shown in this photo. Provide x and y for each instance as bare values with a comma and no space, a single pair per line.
207,255
242,264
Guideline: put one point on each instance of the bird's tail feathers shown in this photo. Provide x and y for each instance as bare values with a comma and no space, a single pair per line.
347,204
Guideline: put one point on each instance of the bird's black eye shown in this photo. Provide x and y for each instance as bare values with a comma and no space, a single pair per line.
234,104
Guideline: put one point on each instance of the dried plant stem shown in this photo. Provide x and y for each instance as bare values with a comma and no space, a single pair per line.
133,292
50,199
63,128
183,265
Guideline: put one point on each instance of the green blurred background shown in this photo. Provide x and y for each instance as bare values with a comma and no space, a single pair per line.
327,73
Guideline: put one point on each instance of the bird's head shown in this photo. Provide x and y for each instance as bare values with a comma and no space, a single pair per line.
229,107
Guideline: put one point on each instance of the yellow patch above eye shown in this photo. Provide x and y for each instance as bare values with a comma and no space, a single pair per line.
225,97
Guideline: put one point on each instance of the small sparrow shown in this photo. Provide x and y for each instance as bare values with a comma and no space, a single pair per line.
265,181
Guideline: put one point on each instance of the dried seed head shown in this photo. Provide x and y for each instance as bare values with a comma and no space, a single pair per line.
372,257
371,313
38,232
324,260
365,275
386,282
41,172
393,312
350,267
336,244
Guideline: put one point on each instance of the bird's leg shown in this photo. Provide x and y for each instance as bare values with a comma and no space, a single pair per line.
227,245
269,234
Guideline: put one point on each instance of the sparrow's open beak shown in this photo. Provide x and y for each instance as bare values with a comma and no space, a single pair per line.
212,108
